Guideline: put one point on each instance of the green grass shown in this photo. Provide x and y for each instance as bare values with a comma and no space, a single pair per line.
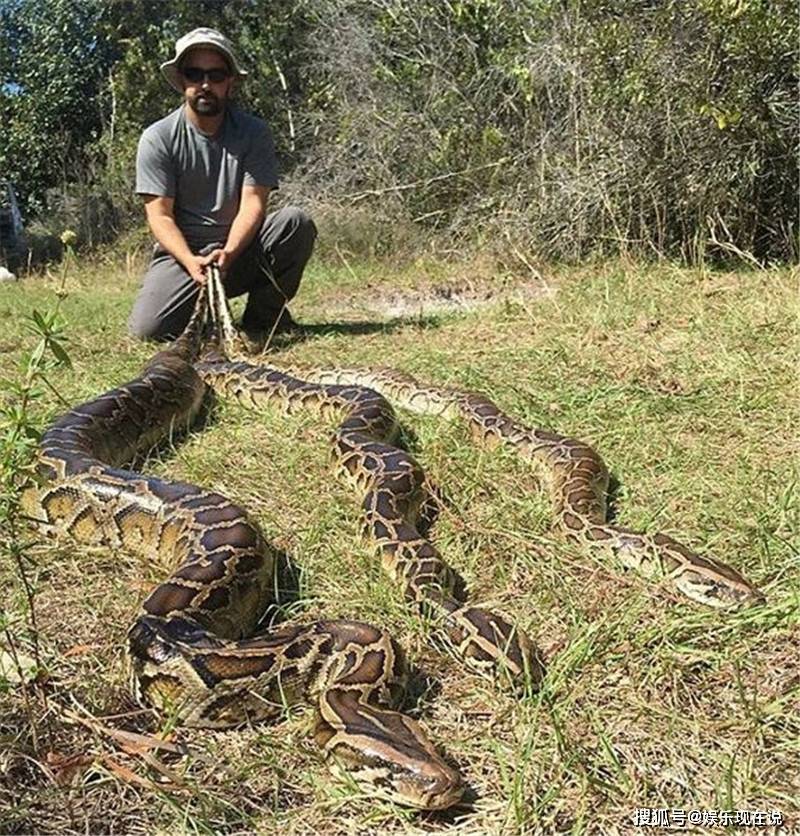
685,383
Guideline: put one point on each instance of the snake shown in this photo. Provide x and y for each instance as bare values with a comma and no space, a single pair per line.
577,476
578,480
396,503
198,650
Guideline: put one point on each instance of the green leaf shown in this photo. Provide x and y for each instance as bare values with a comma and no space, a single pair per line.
39,320
60,354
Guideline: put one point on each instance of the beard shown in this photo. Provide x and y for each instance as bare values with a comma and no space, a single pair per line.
206,104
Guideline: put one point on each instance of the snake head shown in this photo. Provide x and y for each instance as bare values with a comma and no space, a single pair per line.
426,784
149,651
384,752
158,651
432,788
710,581
148,643
700,577
721,588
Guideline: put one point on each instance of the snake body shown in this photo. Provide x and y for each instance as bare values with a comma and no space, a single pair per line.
195,653
395,503
578,485
392,485
197,650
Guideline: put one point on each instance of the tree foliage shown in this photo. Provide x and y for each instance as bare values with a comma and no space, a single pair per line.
52,71
566,128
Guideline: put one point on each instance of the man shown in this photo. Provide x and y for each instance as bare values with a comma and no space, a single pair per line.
205,172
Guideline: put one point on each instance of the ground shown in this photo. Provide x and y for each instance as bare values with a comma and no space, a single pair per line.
682,379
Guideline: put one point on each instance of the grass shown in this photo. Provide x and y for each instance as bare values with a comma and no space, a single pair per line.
682,379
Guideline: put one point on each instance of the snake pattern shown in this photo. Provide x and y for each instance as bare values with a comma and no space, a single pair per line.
197,653
197,649
578,482
396,504
578,485
577,475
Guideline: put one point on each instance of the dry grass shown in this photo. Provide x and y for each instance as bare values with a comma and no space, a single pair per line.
683,380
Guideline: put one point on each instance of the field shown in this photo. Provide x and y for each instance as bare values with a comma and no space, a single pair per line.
684,380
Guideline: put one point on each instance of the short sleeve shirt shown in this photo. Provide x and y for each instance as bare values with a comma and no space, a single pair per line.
205,174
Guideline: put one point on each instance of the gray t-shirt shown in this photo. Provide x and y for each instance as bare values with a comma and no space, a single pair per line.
205,174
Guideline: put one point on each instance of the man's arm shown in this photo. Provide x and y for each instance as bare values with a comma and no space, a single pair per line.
161,218
248,220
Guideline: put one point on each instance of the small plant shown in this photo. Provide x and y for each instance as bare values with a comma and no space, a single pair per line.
18,439
68,239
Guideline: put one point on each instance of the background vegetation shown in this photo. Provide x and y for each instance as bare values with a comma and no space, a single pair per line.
534,128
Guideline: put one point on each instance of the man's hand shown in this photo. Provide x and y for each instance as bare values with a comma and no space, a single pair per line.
196,267
161,217
221,257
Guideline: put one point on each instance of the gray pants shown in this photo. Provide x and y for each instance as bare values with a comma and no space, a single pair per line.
269,270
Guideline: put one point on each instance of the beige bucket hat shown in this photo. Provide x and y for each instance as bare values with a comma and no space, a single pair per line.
203,37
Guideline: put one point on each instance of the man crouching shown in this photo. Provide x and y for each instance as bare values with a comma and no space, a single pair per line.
205,173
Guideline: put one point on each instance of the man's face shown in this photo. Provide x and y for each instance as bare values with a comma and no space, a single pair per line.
206,97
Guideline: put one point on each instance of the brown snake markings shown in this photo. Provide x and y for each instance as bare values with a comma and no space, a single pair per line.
394,494
194,648
577,475
578,481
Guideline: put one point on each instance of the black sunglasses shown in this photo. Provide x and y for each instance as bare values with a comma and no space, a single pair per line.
197,74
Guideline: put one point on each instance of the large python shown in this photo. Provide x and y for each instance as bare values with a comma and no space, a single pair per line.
194,649
195,653
578,485
396,504
577,475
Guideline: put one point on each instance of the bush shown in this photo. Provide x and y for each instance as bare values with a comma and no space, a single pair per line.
560,130
608,126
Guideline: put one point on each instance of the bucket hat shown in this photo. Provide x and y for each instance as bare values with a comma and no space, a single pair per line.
203,37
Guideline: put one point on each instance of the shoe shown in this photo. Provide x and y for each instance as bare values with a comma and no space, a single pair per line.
257,336
286,324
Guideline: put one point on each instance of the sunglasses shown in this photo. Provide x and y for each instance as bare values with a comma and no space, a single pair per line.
195,75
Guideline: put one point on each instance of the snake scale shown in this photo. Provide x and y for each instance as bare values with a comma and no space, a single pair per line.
578,484
197,650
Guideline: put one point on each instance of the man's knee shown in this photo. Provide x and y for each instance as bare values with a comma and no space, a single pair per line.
295,224
145,324
146,327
